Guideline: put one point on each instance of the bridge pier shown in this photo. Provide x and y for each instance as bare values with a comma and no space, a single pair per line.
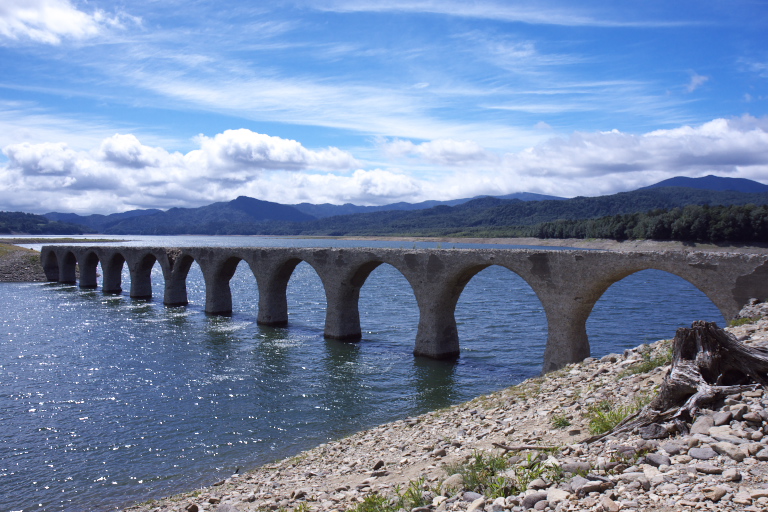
88,272
342,314
437,336
112,281
68,269
141,278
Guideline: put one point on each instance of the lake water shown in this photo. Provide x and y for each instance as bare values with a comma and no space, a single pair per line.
106,401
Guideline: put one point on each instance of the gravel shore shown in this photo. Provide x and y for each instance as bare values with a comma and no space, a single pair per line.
537,429
18,264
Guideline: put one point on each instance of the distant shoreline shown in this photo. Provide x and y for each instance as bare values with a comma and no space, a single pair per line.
601,244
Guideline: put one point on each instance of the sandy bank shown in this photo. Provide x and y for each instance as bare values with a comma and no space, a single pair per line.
721,467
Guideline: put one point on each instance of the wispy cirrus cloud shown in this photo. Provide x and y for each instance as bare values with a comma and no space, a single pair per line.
535,13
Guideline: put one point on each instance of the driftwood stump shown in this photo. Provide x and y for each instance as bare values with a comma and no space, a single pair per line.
708,364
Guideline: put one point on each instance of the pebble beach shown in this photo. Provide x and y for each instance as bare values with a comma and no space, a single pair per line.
537,429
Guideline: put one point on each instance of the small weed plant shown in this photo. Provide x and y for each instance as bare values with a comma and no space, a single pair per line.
560,421
605,415
649,363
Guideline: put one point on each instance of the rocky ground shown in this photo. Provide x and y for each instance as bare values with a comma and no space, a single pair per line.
18,264
533,435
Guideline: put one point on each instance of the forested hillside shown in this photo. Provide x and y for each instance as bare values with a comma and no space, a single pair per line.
28,223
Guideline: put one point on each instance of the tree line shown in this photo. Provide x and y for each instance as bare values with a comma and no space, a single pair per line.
692,223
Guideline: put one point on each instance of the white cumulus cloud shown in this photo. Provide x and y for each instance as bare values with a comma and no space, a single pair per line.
50,21
440,151
246,149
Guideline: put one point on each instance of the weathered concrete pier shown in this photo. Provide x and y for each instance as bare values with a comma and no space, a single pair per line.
568,283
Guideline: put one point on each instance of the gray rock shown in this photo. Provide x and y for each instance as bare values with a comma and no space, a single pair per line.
732,475
472,496
378,465
226,507
762,455
577,482
739,411
453,483
702,425
753,417
729,449
708,469
593,486
576,467
703,453
672,448
722,418
538,484
657,459
541,505
477,504
653,431
532,499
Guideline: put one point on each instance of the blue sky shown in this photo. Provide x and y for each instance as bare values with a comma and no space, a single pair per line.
109,106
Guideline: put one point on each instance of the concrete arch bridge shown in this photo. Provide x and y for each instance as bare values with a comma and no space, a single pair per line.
568,283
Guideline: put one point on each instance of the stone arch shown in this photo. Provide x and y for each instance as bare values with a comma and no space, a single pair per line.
342,320
89,263
652,300
218,292
438,335
695,278
272,280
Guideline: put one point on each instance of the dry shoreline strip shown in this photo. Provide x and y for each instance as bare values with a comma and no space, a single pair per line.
719,466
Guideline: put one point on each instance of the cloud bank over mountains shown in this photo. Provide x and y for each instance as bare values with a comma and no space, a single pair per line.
122,173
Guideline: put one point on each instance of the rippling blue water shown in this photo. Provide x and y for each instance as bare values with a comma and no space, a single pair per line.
106,401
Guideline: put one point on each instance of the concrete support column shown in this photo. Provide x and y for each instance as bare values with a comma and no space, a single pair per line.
273,303
342,315
567,340
218,296
141,282
88,274
68,269
175,293
437,336
50,264
112,281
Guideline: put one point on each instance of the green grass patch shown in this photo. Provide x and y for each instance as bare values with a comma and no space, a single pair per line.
743,321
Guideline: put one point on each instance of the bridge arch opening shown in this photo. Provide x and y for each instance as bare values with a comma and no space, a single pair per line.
501,323
643,307
305,295
186,285
243,287
389,313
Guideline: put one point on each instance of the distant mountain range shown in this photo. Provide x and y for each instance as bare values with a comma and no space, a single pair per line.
713,183
481,215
